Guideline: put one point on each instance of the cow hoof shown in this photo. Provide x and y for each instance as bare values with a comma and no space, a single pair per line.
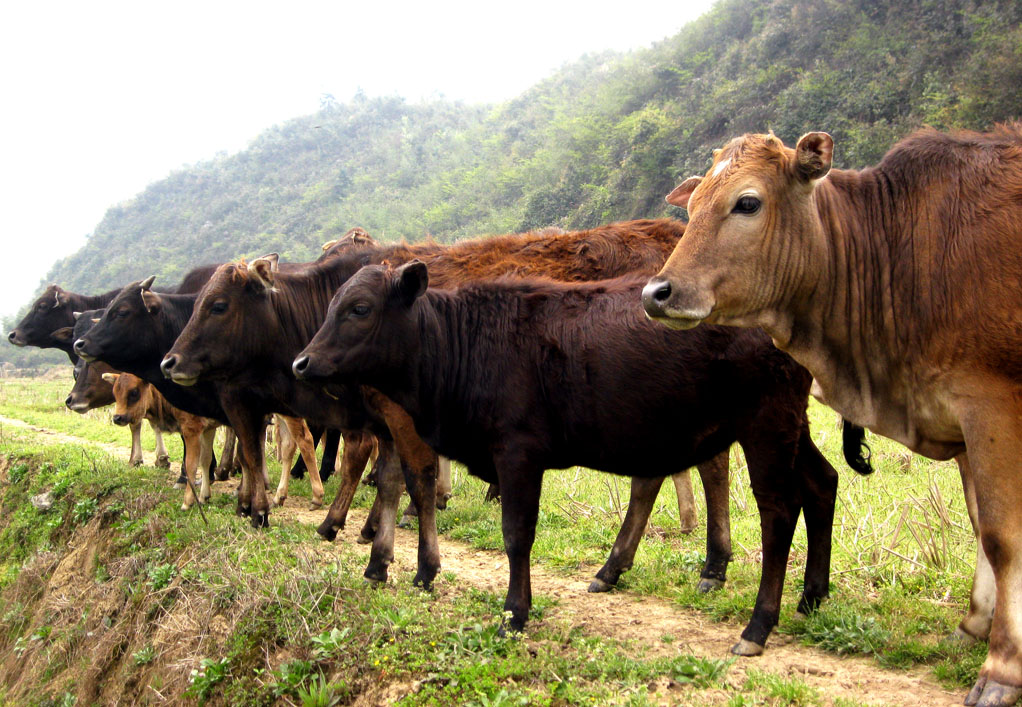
405,522
329,532
185,506
163,462
424,580
709,584
279,502
441,502
959,638
242,511
135,462
260,519
181,482
990,693
598,586
314,506
747,648
375,578
363,540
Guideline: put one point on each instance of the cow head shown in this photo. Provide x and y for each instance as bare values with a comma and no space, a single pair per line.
49,313
354,239
230,323
132,396
370,331
124,328
90,391
752,228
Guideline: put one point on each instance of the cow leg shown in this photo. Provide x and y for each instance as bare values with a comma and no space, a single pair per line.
492,493
223,472
976,624
779,506
331,443
819,494
250,430
389,484
520,487
190,438
715,475
686,501
135,459
640,506
162,458
385,451
207,439
444,485
298,431
285,452
990,426
357,448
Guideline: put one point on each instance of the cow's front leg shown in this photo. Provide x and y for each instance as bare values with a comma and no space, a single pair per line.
520,485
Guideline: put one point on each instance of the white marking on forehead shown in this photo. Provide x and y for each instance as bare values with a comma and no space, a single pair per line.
721,166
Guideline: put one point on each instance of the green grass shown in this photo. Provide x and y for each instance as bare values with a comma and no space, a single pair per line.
901,571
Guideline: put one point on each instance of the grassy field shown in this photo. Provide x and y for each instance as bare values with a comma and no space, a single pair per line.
177,610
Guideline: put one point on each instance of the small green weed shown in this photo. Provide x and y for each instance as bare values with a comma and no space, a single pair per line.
84,510
161,575
291,677
329,642
144,656
205,679
700,672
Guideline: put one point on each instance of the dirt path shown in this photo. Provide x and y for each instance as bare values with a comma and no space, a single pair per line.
627,616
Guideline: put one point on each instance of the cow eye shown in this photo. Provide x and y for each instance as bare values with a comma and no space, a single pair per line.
133,396
360,310
219,307
123,313
746,205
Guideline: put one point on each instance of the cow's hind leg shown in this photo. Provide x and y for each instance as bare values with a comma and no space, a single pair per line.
358,446
640,505
993,437
389,484
223,471
715,475
162,458
819,494
976,624
686,501
770,470
206,441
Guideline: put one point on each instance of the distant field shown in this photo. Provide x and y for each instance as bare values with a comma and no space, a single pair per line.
901,571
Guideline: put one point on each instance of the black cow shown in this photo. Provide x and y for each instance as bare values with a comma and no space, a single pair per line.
512,378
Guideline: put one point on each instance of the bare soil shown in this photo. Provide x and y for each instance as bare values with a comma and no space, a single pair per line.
623,616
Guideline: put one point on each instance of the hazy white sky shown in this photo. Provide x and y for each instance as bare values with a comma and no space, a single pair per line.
102,98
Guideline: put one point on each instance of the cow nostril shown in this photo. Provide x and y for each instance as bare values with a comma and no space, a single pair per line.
67,401
168,364
300,365
662,293
11,336
78,345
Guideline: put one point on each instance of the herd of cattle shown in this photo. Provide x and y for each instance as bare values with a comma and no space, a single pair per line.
893,293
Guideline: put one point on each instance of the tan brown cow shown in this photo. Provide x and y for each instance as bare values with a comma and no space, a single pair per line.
900,288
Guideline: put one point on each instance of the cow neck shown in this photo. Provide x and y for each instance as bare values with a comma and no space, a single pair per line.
81,303
854,332
300,302
175,311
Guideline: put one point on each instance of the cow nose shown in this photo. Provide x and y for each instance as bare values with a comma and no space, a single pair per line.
120,420
654,296
12,336
79,346
67,401
300,366
167,365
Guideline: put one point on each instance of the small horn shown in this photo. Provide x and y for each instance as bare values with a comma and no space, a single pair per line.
148,282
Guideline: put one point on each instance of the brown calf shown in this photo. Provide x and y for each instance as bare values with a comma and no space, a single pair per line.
898,287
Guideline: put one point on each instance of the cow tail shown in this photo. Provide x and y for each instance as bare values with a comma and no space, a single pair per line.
853,444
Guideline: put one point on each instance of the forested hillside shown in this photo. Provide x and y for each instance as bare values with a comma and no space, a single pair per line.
603,139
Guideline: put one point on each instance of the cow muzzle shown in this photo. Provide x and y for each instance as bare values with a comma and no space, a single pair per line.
79,349
15,338
300,367
170,366
76,405
666,304
121,420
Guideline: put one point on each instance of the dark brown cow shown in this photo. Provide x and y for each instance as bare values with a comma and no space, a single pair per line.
899,288
513,378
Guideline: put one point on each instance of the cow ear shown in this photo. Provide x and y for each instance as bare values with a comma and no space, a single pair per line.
152,301
412,280
264,270
813,155
64,335
679,197
110,378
